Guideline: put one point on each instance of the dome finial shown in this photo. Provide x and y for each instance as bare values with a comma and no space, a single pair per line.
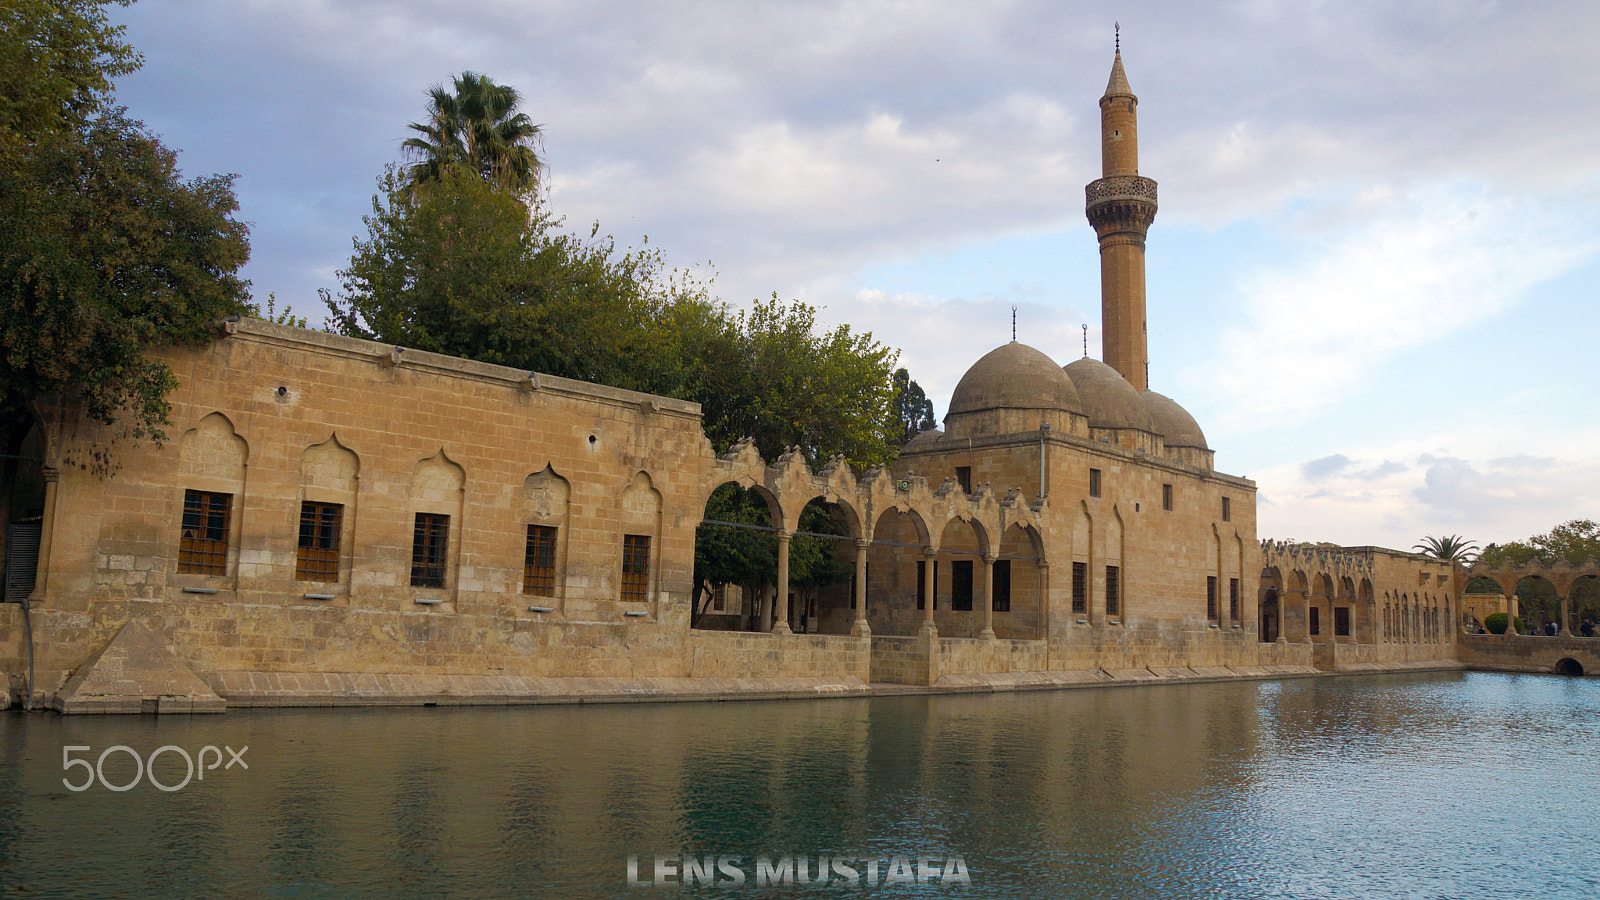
1013,323
1118,27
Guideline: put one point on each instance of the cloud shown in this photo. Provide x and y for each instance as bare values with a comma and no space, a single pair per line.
1318,469
1315,329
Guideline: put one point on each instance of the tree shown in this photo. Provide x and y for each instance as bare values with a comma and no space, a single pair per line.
1453,548
476,127
912,409
1574,541
57,60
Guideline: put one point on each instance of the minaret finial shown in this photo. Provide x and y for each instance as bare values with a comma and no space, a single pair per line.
1013,323
1086,340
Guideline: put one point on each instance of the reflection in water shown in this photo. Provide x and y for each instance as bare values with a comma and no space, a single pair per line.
1387,786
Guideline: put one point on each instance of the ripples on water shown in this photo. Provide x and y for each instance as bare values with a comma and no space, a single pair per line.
1427,786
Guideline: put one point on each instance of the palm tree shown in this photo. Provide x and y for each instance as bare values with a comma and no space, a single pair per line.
477,126
1451,547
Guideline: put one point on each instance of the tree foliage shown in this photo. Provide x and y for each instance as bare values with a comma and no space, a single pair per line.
1452,547
104,250
748,556
461,266
912,409
475,126
1574,541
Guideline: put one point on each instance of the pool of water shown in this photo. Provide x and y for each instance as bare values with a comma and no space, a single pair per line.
1393,786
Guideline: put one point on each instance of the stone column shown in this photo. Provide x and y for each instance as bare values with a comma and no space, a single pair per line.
780,603
860,628
1565,617
1044,601
1511,616
988,599
928,572
47,528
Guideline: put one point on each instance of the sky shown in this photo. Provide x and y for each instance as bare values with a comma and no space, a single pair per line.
1374,278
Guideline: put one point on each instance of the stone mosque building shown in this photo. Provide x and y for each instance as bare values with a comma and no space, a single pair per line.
340,522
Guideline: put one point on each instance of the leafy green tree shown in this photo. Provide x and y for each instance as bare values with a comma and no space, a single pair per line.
1574,541
57,60
912,409
476,126
1452,547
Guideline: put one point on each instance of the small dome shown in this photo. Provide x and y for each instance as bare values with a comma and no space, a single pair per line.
1110,400
1173,422
1014,376
931,436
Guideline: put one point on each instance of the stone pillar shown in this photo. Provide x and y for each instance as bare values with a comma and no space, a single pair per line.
1565,617
780,603
1511,616
988,599
1044,600
47,528
928,563
860,628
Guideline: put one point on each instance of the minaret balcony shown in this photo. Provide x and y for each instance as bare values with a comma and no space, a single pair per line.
1120,187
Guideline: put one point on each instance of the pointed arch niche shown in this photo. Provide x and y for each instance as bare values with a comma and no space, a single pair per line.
325,539
212,459
546,505
640,550
438,486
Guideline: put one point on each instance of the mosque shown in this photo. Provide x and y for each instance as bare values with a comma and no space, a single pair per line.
341,522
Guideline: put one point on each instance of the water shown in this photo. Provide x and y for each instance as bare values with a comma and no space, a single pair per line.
1424,786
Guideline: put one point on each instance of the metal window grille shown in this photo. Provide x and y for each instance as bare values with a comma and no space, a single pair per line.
1113,591
1233,599
1166,497
317,557
636,567
203,547
429,542
1211,596
1080,587
1094,482
539,561
1227,510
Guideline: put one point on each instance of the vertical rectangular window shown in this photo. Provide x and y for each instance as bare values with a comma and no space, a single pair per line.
1080,588
1094,482
636,567
1002,585
1166,497
429,541
1227,510
1341,621
964,477
317,557
539,562
961,585
203,546
1316,620
1211,596
1233,599
1113,591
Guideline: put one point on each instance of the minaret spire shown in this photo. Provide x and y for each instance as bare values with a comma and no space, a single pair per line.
1121,205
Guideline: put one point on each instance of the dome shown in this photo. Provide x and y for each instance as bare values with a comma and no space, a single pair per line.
1110,400
1014,376
926,438
1173,422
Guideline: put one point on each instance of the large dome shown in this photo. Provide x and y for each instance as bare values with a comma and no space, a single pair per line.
1173,422
1109,399
1015,376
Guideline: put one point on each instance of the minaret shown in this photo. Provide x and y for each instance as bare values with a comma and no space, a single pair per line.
1121,205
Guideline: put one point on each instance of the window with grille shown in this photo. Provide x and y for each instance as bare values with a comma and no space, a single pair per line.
429,542
1166,497
961,584
1233,599
964,478
1227,510
1341,621
317,557
636,567
203,547
1211,596
1113,591
1002,585
1080,588
1094,482
1316,620
539,561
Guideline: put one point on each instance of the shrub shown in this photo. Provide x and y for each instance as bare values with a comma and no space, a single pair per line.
1496,623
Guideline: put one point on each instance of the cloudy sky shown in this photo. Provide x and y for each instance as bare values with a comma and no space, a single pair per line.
1373,278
